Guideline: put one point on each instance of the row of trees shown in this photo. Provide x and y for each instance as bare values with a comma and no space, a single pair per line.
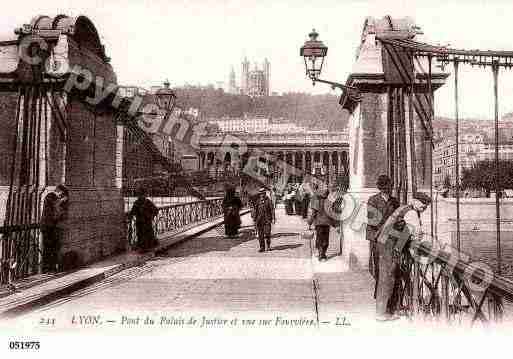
481,176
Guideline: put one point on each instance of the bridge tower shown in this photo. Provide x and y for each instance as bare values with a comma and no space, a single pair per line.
380,124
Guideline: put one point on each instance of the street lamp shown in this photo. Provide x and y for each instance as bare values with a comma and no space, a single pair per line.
165,98
314,51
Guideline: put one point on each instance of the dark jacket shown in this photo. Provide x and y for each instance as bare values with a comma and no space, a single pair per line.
54,210
144,211
378,210
231,200
263,211
319,216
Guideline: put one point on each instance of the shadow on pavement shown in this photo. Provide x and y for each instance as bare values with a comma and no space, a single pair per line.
278,235
217,243
286,246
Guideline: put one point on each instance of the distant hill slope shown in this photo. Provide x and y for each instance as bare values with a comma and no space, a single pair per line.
311,111
445,127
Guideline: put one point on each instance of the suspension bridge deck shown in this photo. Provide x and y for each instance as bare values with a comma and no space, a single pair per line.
214,278
218,277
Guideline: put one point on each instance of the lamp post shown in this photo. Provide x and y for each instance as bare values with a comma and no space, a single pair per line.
166,100
314,51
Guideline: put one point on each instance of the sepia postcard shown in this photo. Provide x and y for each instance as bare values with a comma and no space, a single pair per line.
203,177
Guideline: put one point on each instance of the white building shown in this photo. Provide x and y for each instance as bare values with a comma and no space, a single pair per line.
260,125
473,147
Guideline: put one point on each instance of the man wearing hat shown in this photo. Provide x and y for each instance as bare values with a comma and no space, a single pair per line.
379,208
399,229
263,219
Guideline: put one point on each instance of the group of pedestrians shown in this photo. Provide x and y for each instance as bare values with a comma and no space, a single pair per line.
390,230
297,198
262,206
54,212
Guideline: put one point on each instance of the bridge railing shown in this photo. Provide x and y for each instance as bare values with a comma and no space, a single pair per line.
436,284
20,253
177,216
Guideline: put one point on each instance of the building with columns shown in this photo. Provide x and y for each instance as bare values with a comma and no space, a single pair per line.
310,153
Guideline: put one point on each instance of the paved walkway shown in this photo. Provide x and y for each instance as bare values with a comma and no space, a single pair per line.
221,282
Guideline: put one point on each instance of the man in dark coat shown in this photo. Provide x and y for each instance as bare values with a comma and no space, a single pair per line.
321,221
144,211
263,220
379,208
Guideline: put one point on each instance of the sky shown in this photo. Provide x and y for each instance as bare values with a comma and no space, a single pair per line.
197,41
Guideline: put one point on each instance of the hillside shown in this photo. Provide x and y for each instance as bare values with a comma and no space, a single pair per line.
445,127
311,111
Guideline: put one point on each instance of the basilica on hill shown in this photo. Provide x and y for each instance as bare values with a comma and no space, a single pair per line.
254,82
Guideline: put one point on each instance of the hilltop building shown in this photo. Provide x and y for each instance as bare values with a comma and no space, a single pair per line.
253,82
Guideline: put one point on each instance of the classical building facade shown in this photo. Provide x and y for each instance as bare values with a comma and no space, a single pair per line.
318,154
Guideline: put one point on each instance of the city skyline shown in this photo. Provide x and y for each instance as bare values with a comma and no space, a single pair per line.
200,50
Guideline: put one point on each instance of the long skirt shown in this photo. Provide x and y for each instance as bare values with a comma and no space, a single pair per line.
51,248
146,238
232,223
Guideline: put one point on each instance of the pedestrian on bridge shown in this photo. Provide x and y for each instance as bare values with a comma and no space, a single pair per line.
231,208
321,220
264,217
307,195
298,200
289,199
379,207
144,212
55,208
394,237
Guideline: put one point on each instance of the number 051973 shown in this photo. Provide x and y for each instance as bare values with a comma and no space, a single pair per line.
18,345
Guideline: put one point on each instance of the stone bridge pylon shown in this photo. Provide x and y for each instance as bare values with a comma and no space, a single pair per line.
52,134
389,130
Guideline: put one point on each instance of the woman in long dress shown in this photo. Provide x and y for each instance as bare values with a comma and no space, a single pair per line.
144,211
231,208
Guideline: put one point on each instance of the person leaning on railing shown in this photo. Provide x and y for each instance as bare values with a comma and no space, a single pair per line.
55,207
403,226
379,207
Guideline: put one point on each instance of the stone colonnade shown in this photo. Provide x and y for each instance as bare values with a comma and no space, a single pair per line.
312,161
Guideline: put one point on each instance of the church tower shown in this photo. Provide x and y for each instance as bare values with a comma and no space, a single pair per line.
232,86
267,73
244,77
